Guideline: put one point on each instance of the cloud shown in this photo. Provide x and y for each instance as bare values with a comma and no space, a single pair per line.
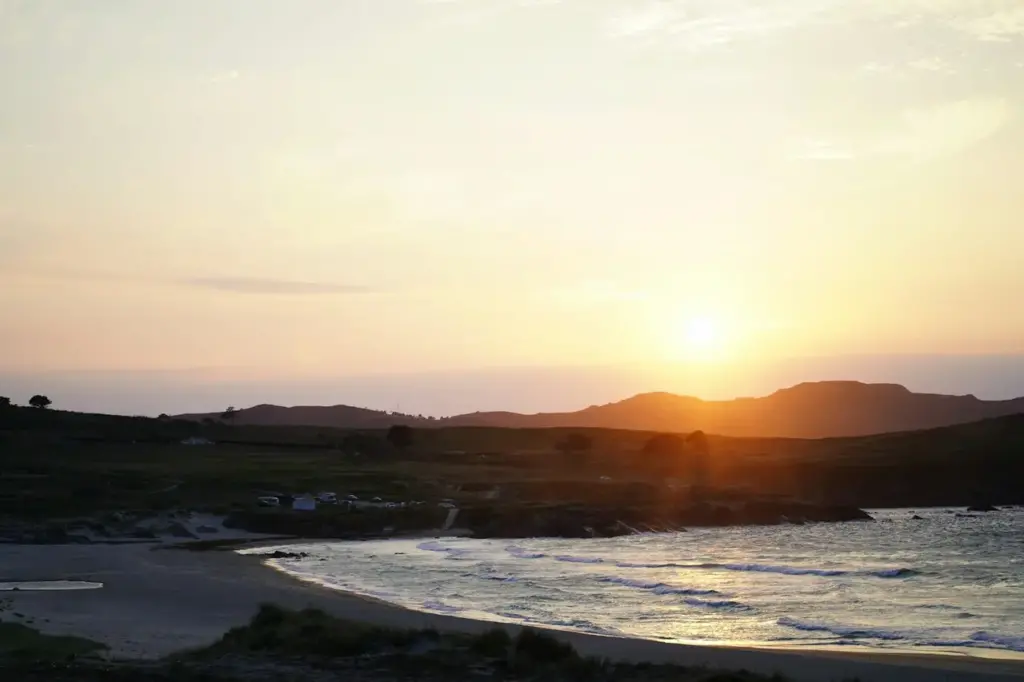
223,76
702,25
946,129
261,286
705,24
985,20
999,26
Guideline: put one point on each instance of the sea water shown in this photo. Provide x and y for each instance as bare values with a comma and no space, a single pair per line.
949,582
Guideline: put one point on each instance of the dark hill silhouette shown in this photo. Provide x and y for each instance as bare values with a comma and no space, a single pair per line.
809,410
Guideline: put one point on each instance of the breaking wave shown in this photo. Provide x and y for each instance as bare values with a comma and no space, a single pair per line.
841,630
656,587
441,607
579,559
521,553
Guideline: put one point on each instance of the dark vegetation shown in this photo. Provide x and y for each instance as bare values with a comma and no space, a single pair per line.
21,643
310,645
59,465
813,410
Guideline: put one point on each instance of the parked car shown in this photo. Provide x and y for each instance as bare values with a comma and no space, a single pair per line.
268,501
351,498
327,498
376,499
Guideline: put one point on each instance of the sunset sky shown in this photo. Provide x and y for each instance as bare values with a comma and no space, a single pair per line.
368,201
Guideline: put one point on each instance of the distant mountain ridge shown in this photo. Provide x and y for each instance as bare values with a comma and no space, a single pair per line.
809,410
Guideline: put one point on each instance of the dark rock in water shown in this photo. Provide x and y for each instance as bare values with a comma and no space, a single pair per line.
51,535
915,517
179,531
206,529
985,507
278,554
143,534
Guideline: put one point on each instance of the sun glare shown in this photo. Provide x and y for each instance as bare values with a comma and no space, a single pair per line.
701,333
698,339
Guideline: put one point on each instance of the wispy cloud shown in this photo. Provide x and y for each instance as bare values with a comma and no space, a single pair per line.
703,24
943,130
223,76
257,285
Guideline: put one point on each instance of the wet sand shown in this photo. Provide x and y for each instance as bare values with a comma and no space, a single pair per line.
157,602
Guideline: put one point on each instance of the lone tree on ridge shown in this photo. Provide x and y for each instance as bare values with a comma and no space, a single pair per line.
401,436
40,402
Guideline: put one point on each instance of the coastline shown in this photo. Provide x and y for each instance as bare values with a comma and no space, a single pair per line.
156,603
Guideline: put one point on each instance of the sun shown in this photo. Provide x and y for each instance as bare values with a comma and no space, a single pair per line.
698,339
701,333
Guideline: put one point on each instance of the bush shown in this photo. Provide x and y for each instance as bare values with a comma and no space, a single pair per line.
535,647
493,643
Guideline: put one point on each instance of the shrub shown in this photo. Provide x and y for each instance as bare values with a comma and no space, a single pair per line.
493,643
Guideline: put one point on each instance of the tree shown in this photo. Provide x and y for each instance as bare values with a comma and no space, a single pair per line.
401,436
575,442
698,458
40,402
677,456
229,414
575,447
665,446
4,402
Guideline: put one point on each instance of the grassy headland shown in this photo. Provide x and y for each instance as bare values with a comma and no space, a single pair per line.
60,465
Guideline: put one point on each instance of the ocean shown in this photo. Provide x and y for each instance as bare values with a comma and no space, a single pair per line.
950,582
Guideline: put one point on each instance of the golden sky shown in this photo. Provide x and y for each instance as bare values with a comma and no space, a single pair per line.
381,186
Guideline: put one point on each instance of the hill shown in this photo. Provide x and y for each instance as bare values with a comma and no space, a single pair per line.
810,410
62,464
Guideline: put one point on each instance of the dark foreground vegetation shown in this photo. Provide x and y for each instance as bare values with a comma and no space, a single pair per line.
312,646
63,473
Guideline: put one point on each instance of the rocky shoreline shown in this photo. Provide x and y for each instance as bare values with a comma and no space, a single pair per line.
569,520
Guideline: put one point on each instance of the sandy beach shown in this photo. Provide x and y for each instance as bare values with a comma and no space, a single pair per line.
156,601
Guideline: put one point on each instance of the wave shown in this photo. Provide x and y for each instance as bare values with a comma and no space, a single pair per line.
579,559
841,630
1013,643
434,546
496,578
784,570
656,587
521,553
441,607
574,623
893,573
721,604
978,640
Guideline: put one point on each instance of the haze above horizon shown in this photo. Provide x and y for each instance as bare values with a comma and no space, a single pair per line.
373,201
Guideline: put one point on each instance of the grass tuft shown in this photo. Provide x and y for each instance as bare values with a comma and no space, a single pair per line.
25,643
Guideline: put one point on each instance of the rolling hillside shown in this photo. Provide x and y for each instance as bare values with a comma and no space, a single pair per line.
811,410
